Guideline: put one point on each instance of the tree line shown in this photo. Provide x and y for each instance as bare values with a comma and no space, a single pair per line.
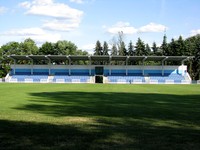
178,47
29,47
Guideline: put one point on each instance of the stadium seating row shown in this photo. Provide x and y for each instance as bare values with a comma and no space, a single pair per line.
45,78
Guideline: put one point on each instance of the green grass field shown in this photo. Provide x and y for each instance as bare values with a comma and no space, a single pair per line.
97,116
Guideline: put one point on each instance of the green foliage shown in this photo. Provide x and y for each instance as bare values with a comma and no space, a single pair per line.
47,49
105,48
114,49
98,48
28,47
4,70
164,46
154,48
11,48
65,48
147,50
130,49
140,48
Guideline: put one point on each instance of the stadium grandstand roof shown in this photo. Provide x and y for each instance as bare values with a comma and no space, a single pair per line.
99,58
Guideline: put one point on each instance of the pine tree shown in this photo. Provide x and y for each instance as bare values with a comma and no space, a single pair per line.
140,48
164,46
147,50
130,49
114,50
154,48
98,48
181,47
105,48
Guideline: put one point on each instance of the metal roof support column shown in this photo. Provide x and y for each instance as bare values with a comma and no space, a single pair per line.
90,70
49,64
143,65
69,65
110,58
163,61
127,58
31,64
14,64
182,66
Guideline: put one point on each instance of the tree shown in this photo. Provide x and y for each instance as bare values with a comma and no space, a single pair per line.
28,47
105,48
98,48
172,48
147,49
196,61
130,49
139,48
154,48
121,45
47,49
65,48
181,47
11,48
114,49
164,46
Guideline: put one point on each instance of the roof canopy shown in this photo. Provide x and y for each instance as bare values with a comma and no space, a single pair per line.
99,58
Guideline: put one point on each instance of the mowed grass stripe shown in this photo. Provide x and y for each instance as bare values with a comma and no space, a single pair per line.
99,116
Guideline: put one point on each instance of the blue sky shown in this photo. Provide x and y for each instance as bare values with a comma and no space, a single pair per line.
85,21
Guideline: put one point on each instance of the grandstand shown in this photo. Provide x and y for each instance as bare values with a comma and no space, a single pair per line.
98,69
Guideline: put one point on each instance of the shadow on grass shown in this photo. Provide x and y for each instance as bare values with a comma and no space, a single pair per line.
108,135
136,105
121,121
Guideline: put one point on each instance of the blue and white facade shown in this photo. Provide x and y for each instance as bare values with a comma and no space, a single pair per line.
115,74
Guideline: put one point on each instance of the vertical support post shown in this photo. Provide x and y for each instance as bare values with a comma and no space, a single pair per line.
127,65
49,64
69,65
14,69
110,58
90,69
182,66
163,63
31,66
14,66
143,65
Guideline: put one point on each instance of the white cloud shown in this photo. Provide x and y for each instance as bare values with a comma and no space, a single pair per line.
37,34
88,46
77,1
194,32
152,27
2,9
51,9
64,17
126,28
122,26
25,32
46,37
57,25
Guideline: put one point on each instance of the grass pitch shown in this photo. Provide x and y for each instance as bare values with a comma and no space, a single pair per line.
97,116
